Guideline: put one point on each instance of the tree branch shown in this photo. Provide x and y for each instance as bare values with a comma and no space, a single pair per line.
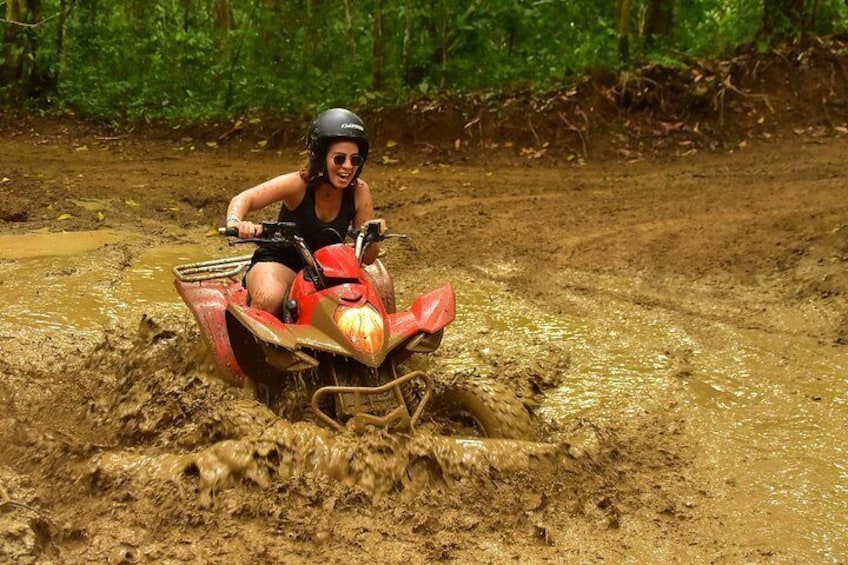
38,24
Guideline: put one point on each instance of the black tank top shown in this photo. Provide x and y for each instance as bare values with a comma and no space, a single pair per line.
316,233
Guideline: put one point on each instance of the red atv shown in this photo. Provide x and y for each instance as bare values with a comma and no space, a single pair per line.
335,357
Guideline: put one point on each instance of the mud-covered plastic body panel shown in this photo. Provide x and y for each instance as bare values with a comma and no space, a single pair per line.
338,261
208,302
245,339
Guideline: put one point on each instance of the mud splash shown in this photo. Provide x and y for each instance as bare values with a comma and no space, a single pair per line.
165,399
376,465
171,436
25,530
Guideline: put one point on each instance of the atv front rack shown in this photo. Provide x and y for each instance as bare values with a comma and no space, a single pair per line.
214,269
360,401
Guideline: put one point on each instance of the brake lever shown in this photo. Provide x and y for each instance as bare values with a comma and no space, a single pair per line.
251,240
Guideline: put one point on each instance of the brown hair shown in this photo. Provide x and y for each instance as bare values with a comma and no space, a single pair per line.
310,174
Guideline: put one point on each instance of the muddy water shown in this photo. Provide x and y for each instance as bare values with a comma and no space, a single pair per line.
84,281
46,244
57,281
149,281
776,409
772,409
611,362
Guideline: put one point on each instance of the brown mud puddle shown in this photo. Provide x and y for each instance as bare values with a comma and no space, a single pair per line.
89,280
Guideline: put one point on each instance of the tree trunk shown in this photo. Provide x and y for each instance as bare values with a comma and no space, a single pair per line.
186,15
406,55
223,12
20,43
658,20
60,38
624,30
445,41
349,27
378,78
11,42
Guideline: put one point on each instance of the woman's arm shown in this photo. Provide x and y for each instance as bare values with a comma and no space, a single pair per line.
287,188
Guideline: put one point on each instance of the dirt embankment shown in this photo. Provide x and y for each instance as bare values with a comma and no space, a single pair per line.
651,111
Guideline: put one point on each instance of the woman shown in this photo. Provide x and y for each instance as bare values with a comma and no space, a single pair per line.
324,199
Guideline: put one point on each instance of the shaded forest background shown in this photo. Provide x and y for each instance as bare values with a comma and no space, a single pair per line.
545,73
199,59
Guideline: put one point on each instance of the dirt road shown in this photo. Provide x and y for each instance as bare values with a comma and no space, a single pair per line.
678,328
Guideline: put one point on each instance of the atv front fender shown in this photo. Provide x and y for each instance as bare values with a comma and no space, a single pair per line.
436,309
209,306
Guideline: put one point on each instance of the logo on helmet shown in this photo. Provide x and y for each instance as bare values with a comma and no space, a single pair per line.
353,126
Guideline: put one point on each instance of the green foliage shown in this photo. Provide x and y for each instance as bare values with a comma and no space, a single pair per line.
716,26
179,60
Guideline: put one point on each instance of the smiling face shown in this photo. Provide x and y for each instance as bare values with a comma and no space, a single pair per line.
340,175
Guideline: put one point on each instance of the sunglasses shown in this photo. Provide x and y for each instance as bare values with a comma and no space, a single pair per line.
356,159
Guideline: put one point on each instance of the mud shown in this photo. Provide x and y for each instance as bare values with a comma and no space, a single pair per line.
677,328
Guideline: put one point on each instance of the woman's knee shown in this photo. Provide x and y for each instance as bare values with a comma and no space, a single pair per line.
267,286
266,298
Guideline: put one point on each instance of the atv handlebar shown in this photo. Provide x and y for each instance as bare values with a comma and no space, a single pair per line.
368,233
272,232
285,234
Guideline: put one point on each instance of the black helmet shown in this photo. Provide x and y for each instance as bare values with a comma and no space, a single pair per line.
333,125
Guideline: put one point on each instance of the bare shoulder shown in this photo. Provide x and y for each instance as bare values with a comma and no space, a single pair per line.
364,203
362,186
288,187
362,191
287,183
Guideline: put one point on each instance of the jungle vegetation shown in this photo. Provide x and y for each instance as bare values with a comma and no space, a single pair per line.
196,60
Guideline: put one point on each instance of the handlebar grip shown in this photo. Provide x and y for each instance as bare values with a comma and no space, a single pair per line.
228,232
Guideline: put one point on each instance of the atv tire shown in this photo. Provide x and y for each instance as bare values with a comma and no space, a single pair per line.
494,410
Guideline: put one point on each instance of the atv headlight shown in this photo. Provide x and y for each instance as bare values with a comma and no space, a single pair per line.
363,326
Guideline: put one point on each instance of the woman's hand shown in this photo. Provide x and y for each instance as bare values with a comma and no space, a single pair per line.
380,222
246,229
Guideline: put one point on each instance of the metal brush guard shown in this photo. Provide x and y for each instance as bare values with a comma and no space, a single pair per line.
214,269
